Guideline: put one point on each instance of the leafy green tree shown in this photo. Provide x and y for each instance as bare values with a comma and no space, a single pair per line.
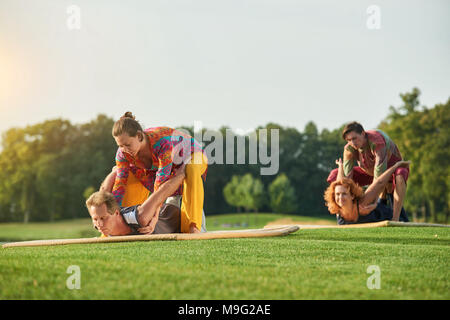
252,192
47,166
232,193
282,195
19,173
422,135
245,192
258,195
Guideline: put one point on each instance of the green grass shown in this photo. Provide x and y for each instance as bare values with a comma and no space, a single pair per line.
79,228
309,264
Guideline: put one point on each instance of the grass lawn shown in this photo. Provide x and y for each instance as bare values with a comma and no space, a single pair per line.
80,228
309,264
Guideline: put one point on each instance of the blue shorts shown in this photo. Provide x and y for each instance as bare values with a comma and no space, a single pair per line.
382,212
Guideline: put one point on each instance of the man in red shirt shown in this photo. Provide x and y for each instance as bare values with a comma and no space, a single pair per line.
373,152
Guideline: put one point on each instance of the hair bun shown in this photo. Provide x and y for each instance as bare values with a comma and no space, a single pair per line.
128,114
126,124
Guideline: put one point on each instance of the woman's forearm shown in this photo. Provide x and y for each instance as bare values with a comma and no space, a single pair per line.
378,185
108,183
384,178
340,174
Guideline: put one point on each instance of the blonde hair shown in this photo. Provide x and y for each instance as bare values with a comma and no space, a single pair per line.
99,198
126,124
330,201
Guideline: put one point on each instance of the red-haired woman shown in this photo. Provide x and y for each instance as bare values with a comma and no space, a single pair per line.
151,155
352,205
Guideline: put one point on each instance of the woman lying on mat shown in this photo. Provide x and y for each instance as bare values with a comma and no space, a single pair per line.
352,205
153,216
150,156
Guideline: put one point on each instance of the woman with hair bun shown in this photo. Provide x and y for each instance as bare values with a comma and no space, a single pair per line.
150,156
352,205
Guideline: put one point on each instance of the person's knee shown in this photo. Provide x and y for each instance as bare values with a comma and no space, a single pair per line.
332,176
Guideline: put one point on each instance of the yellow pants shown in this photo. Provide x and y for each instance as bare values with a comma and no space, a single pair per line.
193,193
135,192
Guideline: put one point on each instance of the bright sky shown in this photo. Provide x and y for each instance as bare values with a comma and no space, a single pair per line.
230,62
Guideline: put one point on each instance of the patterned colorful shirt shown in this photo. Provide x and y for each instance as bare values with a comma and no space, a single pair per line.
375,157
169,148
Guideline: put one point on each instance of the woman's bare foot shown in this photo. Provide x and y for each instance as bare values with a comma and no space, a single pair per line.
193,228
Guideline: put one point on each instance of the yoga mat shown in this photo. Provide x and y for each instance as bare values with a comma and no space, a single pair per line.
227,234
385,223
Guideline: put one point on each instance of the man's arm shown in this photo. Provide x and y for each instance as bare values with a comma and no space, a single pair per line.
349,161
381,161
148,211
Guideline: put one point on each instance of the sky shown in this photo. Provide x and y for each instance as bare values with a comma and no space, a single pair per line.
232,63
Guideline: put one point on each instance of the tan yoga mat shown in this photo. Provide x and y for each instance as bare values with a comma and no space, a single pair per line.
227,234
385,223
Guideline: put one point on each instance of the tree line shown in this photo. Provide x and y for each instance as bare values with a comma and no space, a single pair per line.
49,168
423,136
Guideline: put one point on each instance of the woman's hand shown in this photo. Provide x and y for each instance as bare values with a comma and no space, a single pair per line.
181,170
108,183
403,164
339,162
365,210
148,229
